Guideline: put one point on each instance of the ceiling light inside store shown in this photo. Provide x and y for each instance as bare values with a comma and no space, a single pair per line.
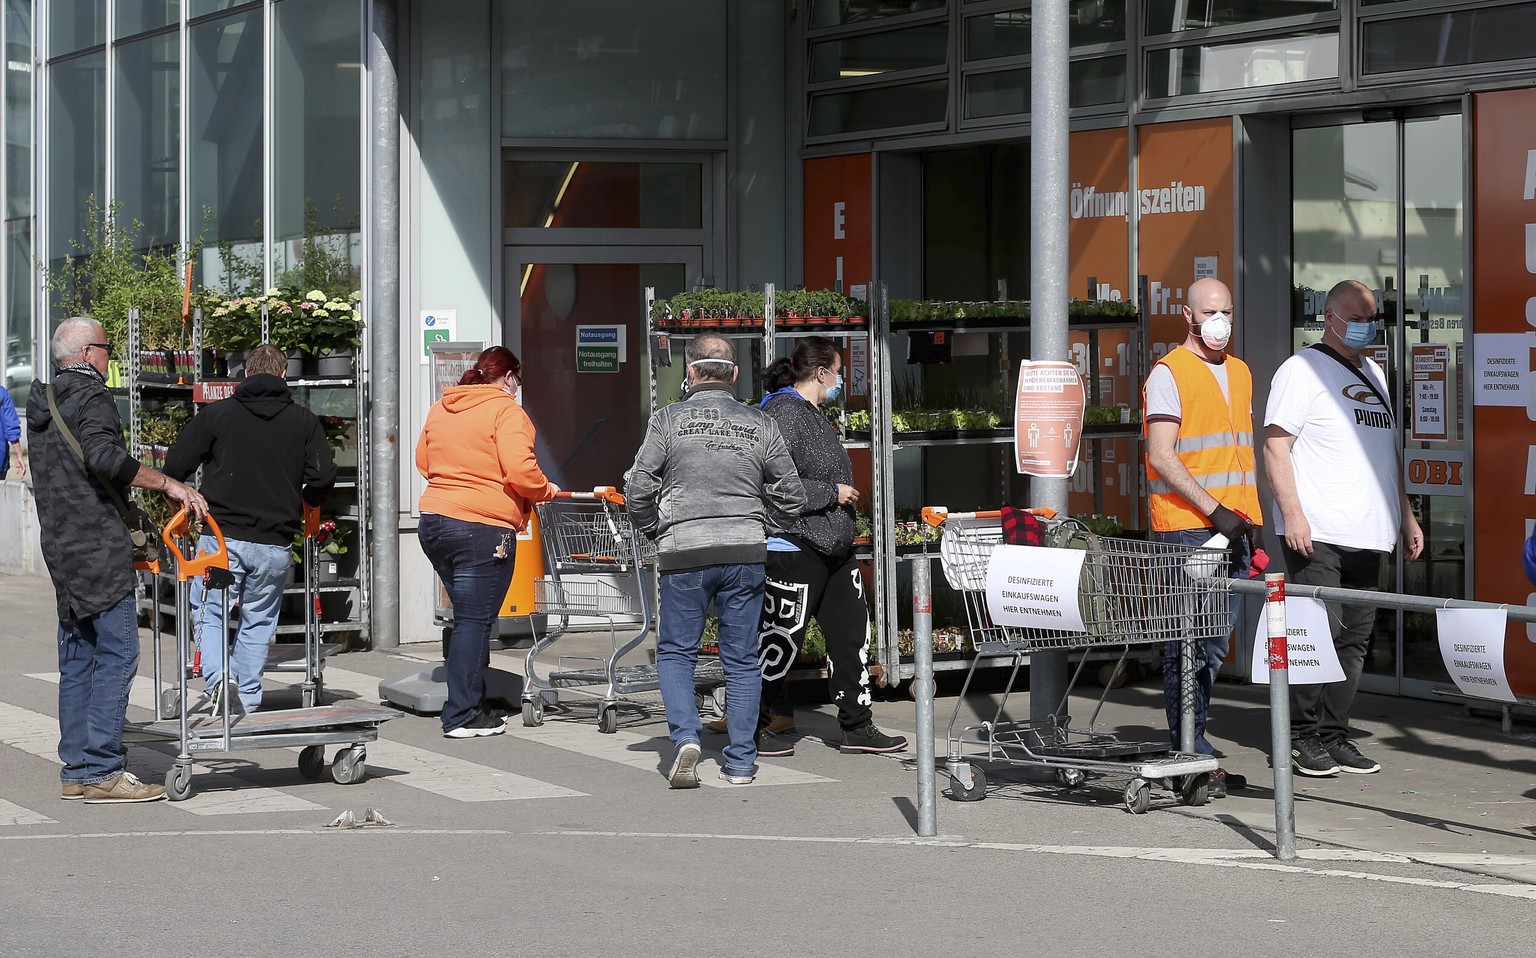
845,73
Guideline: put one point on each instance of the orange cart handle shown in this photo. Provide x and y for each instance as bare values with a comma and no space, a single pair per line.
937,515
607,493
311,521
188,567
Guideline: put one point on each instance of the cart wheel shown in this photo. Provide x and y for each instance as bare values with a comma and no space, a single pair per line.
170,703
718,695
608,719
178,783
1195,790
974,792
312,761
1138,797
1069,777
1112,675
533,712
349,766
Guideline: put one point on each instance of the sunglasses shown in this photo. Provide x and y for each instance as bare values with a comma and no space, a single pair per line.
104,347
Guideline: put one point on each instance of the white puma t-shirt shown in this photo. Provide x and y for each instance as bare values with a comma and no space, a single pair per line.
1346,452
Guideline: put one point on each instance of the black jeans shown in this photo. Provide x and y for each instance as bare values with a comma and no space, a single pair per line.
464,557
1323,710
801,586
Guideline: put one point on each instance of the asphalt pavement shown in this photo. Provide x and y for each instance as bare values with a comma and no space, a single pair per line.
558,840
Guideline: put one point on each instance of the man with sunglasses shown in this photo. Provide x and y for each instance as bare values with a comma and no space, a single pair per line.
89,555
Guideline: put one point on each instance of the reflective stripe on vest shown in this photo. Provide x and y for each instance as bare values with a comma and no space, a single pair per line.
1215,443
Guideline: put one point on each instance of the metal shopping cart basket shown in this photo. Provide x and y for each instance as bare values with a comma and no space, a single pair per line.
599,570
1130,593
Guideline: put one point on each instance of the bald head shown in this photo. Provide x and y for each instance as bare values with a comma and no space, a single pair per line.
1210,294
1208,299
711,359
73,336
1351,296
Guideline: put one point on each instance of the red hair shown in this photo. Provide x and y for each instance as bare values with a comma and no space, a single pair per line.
493,364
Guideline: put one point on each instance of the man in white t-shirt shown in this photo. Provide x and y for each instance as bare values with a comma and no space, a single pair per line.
1198,404
1332,453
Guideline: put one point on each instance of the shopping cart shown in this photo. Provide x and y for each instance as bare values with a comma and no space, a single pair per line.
309,729
1130,593
601,570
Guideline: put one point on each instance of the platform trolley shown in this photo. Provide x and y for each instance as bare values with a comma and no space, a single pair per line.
311,729
1131,592
600,568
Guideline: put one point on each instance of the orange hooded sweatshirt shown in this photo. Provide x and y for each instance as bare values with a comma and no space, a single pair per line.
476,452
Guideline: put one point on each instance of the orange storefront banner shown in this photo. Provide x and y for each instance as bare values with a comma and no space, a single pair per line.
1186,224
1504,303
839,221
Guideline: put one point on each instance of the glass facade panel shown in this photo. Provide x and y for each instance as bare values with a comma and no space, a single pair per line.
147,144
75,24
317,135
77,159
18,308
18,108
224,144
613,69
1171,16
567,194
876,53
1450,39
1006,33
832,13
201,8
1243,64
138,16
1090,83
856,111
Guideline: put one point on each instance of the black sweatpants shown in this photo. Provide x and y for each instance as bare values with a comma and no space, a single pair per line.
805,585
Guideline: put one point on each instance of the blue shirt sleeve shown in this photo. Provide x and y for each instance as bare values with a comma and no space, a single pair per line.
10,426
1530,558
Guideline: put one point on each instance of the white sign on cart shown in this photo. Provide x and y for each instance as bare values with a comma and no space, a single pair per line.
1031,587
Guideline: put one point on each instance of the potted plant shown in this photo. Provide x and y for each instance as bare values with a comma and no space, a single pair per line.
330,546
314,325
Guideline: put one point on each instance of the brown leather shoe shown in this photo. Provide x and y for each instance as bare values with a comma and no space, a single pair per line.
72,791
123,789
778,725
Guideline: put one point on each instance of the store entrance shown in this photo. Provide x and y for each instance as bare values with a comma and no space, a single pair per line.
1381,202
574,316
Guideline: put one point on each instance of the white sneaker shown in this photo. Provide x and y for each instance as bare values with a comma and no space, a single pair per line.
685,766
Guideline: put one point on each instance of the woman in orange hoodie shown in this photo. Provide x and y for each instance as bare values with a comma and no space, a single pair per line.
476,452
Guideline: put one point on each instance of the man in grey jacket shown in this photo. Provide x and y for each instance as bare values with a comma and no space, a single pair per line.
705,482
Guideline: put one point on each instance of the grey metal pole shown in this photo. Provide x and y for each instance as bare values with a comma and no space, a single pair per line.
1049,265
1186,694
922,665
383,389
1280,716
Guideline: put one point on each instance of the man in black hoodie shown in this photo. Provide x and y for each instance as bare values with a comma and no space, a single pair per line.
263,457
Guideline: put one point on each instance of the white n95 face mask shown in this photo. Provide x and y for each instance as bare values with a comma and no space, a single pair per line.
1216,332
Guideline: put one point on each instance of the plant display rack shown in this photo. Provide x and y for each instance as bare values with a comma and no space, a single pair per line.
161,387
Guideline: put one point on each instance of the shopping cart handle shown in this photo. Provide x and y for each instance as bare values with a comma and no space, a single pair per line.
188,567
607,493
311,521
937,515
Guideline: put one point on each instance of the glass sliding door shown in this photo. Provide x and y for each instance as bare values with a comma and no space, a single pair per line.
1382,203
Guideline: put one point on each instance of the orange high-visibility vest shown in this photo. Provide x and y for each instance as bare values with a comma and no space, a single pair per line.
1215,443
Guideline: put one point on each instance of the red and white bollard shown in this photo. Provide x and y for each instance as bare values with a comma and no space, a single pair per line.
1280,715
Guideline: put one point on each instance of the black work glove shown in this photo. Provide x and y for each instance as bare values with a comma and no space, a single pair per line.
1230,524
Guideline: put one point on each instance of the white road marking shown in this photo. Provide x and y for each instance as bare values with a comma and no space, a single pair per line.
13,814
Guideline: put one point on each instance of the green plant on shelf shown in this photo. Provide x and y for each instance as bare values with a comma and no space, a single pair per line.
923,312
164,427
813,648
330,540
1110,415
1101,525
336,430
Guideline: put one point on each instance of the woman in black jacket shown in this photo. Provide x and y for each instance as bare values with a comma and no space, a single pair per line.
811,570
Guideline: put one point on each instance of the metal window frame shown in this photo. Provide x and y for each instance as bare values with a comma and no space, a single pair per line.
879,25
1232,97
1396,78
844,37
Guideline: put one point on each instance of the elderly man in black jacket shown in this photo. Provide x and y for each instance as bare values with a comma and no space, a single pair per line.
261,454
90,558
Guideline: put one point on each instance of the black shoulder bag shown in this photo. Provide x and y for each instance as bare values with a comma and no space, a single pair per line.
1359,374
141,528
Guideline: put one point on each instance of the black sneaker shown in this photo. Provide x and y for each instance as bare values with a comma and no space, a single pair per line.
1350,760
869,738
482,724
770,745
1310,758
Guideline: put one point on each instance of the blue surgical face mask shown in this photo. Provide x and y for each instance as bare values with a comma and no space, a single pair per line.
836,389
1358,335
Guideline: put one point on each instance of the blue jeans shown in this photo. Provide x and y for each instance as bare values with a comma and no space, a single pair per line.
464,556
737,592
98,656
1208,659
261,573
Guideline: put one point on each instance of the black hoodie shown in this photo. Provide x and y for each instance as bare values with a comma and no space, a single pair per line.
260,453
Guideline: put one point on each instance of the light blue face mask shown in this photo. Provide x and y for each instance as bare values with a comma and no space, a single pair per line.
836,389
1359,335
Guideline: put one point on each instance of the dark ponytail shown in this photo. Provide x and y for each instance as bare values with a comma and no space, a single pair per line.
492,365
811,354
